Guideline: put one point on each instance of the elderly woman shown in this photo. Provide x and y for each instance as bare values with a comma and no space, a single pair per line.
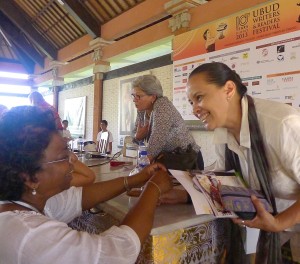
158,121
257,138
36,170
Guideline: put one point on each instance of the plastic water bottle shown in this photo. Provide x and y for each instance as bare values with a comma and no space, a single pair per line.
80,144
143,159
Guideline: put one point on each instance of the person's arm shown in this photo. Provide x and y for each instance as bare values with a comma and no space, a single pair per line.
175,196
140,217
110,141
82,174
105,190
98,140
266,221
141,131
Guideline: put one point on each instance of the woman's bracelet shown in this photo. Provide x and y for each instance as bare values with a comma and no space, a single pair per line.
156,187
126,185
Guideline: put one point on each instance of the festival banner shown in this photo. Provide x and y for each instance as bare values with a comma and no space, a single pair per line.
265,21
262,45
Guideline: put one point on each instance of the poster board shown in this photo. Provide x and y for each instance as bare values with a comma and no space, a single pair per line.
75,112
127,109
261,44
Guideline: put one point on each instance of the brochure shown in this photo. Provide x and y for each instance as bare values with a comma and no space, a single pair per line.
204,189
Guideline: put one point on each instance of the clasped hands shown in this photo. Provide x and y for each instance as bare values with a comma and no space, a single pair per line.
142,130
158,174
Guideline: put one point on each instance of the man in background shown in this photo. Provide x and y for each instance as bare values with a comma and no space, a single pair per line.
66,133
103,127
36,99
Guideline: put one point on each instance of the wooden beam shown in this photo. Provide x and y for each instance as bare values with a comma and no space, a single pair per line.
18,39
82,17
24,59
21,21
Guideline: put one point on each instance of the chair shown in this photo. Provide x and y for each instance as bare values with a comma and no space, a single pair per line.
103,142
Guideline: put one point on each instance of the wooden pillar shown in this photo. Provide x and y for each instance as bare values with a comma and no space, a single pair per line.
98,101
57,83
98,70
55,90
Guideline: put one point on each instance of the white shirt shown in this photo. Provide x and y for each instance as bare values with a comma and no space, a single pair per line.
66,133
110,136
27,237
280,128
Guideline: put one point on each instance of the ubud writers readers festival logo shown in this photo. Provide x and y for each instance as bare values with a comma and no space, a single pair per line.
242,26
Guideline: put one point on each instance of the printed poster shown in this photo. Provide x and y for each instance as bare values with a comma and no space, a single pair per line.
261,44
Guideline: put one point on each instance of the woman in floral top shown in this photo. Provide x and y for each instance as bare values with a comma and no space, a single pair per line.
158,121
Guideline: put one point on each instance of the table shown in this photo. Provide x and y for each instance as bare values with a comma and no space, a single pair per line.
178,234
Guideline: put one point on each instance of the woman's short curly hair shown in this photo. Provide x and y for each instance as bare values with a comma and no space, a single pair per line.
25,133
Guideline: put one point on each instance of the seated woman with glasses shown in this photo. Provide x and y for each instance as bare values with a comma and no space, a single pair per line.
158,121
36,169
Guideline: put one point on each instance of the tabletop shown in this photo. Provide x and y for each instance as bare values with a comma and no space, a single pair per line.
178,234
167,217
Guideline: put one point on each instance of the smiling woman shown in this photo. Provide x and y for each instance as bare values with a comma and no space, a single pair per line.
260,140
36,172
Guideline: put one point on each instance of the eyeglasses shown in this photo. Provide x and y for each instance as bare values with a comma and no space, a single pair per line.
60,160
137,96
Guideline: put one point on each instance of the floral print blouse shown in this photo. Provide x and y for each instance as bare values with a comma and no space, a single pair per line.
167,129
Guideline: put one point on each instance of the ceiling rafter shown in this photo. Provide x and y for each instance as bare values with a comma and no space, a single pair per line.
116,6
13,33
124,4
82,17
18,18
106,10
111,9
92,7
46,26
